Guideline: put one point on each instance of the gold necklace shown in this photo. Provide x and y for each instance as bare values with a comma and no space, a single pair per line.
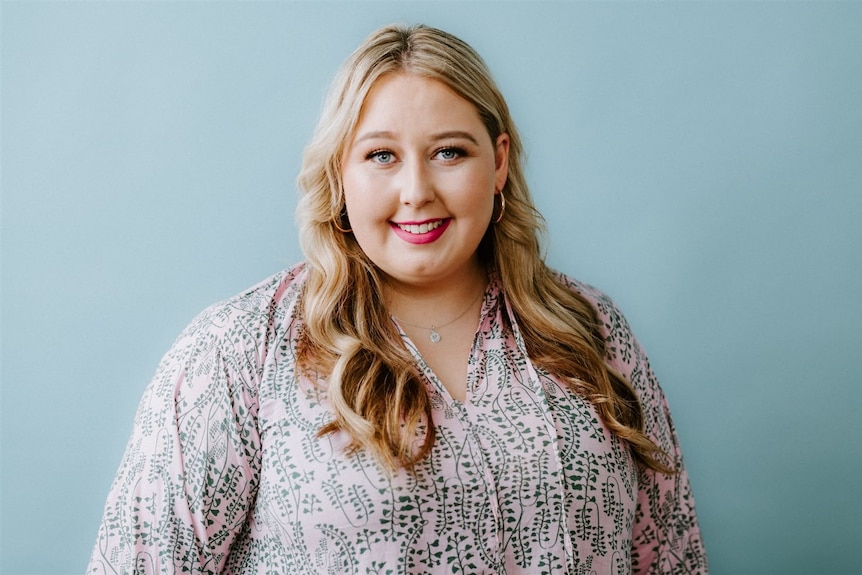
434,335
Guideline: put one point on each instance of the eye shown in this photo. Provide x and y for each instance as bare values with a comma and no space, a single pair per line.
450,154
381,157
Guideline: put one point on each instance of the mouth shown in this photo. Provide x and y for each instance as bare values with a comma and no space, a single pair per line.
418,233
422,228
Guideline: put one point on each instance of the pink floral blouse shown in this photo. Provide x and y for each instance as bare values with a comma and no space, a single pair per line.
224,472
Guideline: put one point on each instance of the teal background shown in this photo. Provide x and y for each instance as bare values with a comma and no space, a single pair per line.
701,162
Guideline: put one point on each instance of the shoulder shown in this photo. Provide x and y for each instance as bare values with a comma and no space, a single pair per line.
622,348
240,332
220,356
591,293
261,307
614,322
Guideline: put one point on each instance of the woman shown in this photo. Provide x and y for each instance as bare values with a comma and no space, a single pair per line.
423,394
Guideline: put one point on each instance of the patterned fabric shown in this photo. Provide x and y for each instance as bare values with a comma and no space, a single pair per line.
224,472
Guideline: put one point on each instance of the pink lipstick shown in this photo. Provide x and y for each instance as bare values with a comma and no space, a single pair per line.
420,232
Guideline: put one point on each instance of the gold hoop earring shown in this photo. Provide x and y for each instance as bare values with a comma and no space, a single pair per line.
341,217
502,208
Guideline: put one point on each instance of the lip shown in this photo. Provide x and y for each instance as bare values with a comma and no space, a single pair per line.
427,237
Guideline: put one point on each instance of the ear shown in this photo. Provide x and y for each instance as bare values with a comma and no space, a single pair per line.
501,161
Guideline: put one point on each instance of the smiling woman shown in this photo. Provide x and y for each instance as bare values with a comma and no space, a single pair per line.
423,394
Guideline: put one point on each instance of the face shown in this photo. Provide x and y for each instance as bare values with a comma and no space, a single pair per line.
419,178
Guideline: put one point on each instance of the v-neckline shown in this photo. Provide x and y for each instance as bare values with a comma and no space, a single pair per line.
475,348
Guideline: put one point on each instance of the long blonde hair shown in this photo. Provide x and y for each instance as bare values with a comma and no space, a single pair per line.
348,338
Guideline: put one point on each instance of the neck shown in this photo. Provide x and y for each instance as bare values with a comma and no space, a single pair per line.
437,304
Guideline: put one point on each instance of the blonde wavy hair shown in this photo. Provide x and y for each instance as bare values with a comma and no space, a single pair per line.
348,339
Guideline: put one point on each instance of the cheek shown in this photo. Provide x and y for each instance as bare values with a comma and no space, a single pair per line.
481,198
367,215
356,196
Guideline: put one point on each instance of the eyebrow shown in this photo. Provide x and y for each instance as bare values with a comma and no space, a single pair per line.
457,135
439,136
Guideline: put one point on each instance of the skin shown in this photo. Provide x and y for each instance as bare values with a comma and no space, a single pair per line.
421,158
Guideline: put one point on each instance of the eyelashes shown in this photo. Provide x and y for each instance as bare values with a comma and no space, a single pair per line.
385,156
380,156
453,152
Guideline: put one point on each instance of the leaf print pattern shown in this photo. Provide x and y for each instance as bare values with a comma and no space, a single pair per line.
224,472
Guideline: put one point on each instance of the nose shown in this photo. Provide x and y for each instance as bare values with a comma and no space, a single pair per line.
417,186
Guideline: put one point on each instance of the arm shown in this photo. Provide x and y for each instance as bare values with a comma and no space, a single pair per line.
666,536
190,471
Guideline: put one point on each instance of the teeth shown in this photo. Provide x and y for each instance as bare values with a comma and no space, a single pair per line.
421,228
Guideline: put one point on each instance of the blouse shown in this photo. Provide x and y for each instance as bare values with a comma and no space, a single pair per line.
225,472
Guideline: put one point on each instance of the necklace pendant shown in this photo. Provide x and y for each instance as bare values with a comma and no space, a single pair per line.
434,336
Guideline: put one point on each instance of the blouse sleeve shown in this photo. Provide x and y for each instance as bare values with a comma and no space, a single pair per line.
666,537
190,472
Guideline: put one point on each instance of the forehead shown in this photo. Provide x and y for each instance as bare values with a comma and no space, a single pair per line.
414,102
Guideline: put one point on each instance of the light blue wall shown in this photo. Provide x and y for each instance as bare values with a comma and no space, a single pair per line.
702,162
